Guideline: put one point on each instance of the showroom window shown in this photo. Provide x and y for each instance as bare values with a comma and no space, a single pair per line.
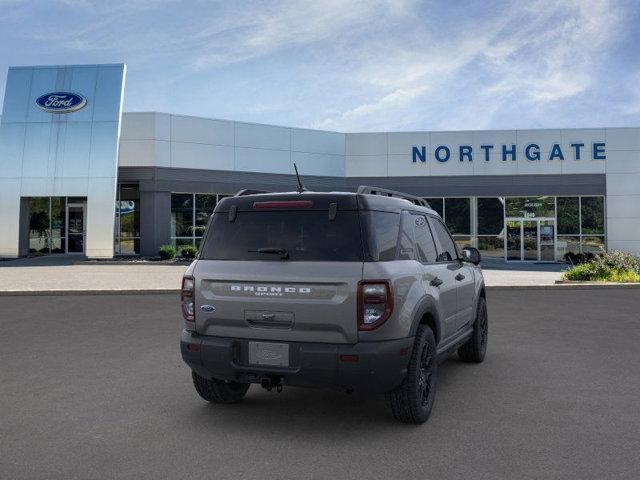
127,220
490,227
436,204
592,218
530,207
456,213
568,225
56,225
47,227
189,215
581,223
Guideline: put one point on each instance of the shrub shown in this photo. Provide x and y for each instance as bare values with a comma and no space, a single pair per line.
578,258
624,277
583,271
607,267
167,252
189,252
617,260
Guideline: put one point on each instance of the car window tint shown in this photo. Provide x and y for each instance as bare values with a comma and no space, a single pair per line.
383,237
407,251
447,250
305,235
426,249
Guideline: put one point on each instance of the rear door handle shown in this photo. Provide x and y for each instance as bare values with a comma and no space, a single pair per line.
436,282
460,277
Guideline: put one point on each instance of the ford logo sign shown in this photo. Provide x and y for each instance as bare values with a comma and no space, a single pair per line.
61,102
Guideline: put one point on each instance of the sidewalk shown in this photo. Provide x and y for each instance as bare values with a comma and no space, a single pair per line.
498,273
67,274
63,274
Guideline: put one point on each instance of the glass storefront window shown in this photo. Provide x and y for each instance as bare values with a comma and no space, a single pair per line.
593,244
190,213
491,246
592,214
530,207
58,216
127,227
39,225
181,214
437,205
567,244
204,208
181,242
490,216
462,241
129,211
48,232
568,215
457,212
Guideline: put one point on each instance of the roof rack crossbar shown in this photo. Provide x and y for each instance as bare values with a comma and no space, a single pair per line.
249,191
384,192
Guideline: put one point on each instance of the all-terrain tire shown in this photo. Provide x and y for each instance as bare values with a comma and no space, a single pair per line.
218,391
474,350
412,401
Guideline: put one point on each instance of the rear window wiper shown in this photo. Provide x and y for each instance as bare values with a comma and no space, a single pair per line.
283,252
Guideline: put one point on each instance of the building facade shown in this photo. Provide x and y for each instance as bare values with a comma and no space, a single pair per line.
521,195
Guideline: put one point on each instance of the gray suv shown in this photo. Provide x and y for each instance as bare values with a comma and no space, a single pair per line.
361,291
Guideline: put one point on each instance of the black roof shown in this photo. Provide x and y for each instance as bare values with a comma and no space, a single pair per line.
322,200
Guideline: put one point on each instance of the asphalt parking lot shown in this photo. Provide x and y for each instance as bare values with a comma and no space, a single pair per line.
93,387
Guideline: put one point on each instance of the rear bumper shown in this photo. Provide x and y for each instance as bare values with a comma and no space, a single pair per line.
380,366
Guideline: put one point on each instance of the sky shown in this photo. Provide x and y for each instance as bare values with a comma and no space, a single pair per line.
350,65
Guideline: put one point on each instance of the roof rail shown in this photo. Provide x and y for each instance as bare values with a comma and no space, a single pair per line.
249,191
384,192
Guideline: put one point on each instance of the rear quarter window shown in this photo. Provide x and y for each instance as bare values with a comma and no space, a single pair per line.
383,230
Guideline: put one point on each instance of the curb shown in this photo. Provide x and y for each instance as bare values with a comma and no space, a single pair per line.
176,291
566,286
23,293
179,263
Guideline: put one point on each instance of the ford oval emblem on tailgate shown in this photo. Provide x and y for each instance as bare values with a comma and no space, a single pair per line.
207,308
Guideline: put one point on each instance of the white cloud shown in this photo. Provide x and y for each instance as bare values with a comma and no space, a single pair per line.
534,55
350,64
254,33
551,56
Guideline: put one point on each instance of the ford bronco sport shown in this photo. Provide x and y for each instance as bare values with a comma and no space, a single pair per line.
361,291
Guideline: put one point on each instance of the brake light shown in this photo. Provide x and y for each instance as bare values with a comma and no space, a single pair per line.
284,204
375,303
187,299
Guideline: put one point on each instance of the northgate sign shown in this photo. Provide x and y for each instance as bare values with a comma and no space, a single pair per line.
531,152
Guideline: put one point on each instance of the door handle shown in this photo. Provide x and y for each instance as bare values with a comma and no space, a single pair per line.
436,282
460,277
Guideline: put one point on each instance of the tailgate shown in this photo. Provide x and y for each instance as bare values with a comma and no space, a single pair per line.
278,300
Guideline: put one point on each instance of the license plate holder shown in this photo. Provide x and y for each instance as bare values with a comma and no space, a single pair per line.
267,353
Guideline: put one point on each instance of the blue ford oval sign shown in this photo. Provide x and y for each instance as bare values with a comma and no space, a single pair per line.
61,102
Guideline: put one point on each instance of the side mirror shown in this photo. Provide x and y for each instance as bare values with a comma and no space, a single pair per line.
472,255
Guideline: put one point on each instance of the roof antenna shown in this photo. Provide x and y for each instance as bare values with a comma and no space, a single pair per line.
300,185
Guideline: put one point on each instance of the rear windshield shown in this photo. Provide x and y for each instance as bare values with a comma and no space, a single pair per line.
304,236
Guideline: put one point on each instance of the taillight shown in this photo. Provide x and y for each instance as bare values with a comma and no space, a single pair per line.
187,299
375,303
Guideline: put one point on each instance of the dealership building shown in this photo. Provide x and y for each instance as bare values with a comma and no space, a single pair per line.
79,176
